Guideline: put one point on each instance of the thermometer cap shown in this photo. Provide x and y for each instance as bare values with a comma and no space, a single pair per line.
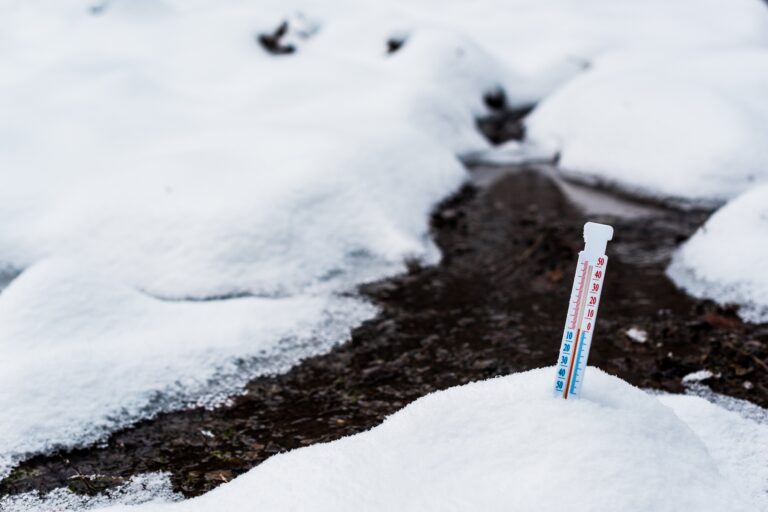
596,237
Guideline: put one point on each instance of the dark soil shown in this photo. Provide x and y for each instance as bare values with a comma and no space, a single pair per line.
495,305
503,122
273,42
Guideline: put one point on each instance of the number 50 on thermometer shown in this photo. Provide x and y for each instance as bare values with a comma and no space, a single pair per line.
582,311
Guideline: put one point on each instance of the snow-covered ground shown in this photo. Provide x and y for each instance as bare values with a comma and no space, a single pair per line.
689,127
490,444
185,211
727,258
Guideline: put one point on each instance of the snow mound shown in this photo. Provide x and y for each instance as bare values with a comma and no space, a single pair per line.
734,432
487,445
58,323
685,127
725,260
545,43
183,211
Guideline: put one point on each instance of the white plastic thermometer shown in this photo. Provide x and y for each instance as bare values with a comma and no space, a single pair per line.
582,310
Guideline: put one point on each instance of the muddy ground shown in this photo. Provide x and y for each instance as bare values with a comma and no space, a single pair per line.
495,305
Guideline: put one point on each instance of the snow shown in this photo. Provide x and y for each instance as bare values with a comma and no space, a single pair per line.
182,211
544,43
485,445
145,488
697,376
732,440
685,127
725,259
743,408
151,355
187,211
637,335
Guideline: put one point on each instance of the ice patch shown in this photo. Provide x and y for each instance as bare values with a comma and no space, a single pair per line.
146,488
488,444
744,408
725,260
510,153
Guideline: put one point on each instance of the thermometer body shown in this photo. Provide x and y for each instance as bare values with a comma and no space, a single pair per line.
582,311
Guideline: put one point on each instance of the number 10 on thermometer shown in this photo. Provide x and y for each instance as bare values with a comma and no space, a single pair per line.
582,311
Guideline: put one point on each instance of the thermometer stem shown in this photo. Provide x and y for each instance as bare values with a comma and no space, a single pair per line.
582,311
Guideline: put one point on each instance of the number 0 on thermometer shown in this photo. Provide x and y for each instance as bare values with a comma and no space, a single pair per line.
582,311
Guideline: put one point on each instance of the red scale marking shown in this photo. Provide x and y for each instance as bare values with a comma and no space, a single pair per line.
573,326
578,296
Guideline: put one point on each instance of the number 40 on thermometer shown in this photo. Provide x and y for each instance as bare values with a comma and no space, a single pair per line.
582,311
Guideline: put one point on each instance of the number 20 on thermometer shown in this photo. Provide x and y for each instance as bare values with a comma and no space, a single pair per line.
582,311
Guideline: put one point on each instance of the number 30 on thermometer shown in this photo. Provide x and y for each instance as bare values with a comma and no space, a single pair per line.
582,311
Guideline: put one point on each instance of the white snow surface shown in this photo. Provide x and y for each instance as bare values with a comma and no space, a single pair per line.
727,258
697,376
686,127
185,209
181,211
489,444
150,354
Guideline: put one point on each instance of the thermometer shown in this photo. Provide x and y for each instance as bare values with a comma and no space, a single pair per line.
582,311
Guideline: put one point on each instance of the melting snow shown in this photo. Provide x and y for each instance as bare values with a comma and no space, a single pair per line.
146,488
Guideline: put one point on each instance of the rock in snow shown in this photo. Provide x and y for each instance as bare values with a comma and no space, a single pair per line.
727,259
507,444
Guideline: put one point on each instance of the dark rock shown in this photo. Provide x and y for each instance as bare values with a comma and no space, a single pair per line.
272,42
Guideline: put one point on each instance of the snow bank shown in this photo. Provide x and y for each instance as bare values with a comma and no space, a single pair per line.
183,211
726,259
668,96
83,353
544,43
688,127
506,441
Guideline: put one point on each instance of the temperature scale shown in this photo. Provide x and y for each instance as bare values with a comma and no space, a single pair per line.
582,310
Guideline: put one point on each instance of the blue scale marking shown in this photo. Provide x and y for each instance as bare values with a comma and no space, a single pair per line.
576,363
